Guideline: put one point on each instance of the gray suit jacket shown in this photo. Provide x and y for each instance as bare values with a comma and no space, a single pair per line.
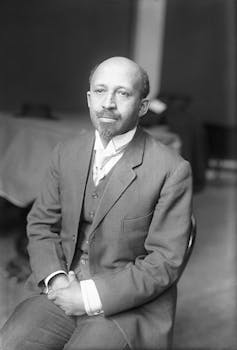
137,239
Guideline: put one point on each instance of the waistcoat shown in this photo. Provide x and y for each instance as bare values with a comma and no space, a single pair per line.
92,197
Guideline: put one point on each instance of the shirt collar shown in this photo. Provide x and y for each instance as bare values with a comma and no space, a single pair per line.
116,143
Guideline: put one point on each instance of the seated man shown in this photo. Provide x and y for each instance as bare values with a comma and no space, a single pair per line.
108,232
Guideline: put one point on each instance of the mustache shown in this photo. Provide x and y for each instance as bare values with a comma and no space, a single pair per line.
107,114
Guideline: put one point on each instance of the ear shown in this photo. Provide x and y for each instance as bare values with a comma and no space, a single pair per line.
144,105
88,95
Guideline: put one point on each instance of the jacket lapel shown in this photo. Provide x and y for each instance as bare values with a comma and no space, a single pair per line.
79,174
122,176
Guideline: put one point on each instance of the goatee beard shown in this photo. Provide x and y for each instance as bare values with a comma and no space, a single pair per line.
106,134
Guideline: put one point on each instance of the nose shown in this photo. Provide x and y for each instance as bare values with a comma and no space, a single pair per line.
109,101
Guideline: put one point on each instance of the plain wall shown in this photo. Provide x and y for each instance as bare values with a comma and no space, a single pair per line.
48,48
199,57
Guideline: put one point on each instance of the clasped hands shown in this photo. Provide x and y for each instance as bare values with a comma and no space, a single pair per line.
65,292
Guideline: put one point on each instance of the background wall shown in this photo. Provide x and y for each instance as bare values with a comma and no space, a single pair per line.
199,57
148,39
48,48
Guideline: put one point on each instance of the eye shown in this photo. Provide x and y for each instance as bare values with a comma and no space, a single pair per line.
123,93
99,90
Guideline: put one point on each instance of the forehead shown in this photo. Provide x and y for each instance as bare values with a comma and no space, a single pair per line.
115,73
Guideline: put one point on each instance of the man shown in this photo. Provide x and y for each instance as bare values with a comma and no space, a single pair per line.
108,232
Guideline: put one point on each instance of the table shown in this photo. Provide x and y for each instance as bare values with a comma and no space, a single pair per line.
25,147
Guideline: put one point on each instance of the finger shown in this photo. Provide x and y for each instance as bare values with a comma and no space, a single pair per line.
71,276
57,302
68,313
51,296
64,308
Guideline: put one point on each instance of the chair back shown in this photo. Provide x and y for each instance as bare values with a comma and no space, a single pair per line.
189,248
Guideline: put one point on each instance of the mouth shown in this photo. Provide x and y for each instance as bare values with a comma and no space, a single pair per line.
107,119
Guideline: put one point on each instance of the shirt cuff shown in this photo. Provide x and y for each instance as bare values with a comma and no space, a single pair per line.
91,298
47,279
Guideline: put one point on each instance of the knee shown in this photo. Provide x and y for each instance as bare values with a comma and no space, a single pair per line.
10,338
18,325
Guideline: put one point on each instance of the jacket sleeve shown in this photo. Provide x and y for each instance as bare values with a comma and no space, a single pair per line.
44,247
150,275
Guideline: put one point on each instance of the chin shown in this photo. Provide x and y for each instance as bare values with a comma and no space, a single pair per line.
106,133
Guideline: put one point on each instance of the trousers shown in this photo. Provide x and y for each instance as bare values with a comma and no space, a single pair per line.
38,324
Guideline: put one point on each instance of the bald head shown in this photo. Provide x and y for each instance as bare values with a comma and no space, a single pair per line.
139,74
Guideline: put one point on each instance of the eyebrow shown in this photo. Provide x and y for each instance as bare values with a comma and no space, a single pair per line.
117,87
99,84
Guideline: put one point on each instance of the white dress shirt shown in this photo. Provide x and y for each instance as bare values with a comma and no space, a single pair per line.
105,159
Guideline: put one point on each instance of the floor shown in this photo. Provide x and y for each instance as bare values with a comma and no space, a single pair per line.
206,311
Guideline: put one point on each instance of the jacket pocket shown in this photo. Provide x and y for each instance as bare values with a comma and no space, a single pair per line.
140,223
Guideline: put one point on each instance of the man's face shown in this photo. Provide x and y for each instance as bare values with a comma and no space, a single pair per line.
114,98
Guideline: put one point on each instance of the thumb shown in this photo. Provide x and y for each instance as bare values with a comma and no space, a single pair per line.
71,276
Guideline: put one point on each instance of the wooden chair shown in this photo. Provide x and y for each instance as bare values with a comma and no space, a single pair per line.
189,248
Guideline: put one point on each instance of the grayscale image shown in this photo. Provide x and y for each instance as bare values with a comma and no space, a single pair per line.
118,174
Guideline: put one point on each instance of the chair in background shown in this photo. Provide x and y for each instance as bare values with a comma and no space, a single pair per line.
221,143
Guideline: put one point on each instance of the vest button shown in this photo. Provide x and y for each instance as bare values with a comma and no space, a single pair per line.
95,195
92,214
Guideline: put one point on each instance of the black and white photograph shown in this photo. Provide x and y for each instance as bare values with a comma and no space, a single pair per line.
118,175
